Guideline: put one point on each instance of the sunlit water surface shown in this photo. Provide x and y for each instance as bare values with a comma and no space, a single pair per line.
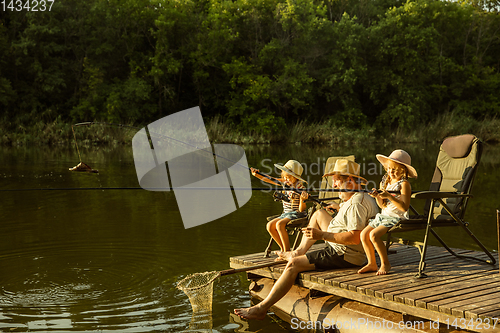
109,260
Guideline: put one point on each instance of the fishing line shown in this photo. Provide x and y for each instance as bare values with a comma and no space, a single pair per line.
286,187
76,143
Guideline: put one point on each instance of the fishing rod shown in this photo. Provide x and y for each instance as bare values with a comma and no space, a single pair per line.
197,188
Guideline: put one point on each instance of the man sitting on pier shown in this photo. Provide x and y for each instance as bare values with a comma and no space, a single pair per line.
342,235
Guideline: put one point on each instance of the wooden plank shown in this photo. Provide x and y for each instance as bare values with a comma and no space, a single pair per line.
404,255
457,287
325,276
250,256
445,305
405,278
329,278
446,281
410,295
470,311
493,315
458,305
493,310
453,292
315,276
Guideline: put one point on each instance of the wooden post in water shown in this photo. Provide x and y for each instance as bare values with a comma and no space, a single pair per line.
498,231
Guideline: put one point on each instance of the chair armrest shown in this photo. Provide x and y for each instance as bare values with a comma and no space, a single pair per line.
437,195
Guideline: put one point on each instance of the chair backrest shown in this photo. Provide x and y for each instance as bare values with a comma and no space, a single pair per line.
327,182
456,168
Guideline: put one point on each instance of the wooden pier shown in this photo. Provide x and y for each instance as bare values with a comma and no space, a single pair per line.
460,294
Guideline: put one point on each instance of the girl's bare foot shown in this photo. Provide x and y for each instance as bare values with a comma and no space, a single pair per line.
288,255
384,269
368,268
250,313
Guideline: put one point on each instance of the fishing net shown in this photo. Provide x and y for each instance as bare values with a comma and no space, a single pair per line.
199,289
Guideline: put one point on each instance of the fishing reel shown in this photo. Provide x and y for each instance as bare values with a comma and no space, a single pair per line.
280,196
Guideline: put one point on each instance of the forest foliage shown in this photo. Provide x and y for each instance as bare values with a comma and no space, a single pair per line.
257,64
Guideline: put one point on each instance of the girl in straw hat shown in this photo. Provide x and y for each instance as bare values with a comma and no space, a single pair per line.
294,204
394,208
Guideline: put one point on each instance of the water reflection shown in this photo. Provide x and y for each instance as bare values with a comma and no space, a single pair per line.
109,260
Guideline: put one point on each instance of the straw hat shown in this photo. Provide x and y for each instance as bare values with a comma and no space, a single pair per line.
293,168
345,167
401,157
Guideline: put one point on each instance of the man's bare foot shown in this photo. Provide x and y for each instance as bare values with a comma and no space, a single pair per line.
368,268
384,269
250,313
288,255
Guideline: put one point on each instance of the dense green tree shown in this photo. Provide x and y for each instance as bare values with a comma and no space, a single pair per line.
424,63
261,64
7,94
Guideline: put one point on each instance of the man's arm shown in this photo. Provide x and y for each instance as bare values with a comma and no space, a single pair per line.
347,238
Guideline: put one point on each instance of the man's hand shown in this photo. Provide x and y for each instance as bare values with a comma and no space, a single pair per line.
332,207
313,233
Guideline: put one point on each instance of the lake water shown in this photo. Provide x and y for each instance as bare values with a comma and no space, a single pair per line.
109,260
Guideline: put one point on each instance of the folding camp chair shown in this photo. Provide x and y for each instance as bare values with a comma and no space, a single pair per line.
447,198
294,226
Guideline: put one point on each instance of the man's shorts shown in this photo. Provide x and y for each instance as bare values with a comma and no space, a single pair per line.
327,258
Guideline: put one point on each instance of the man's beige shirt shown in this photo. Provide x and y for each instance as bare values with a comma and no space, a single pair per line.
353,215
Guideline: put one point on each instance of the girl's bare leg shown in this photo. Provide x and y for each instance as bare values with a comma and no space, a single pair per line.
271,228
283,234
371,266
376,238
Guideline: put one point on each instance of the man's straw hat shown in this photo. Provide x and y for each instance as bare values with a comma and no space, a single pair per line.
345,167
401,157
293,168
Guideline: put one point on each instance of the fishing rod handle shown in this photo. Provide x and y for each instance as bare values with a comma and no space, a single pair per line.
286,186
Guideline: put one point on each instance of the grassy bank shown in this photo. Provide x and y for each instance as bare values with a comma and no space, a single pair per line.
57,132
329,133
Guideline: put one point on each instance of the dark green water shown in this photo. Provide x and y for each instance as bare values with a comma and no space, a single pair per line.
109,260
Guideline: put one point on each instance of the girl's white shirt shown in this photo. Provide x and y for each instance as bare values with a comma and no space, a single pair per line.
391,209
